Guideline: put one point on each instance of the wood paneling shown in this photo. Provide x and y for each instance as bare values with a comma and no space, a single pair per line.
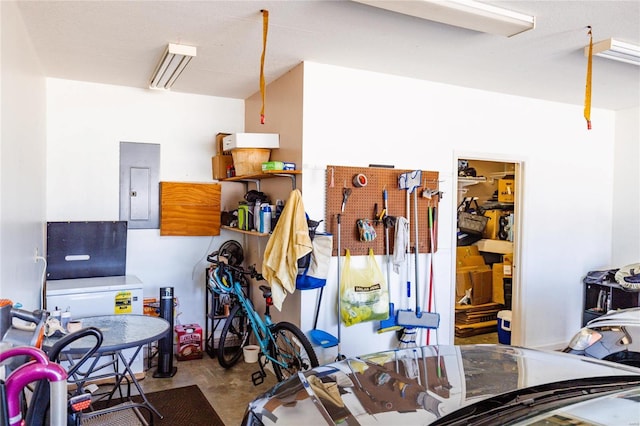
189,209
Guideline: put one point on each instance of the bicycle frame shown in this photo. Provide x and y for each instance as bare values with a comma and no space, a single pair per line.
261,328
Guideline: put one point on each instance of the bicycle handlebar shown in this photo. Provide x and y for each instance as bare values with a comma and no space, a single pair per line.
251,270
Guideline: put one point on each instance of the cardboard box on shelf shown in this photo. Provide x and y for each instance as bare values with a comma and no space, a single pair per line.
506,190
495,246
493,225
482,287
477,278
189,342
465,251
248,161
508,261
151,307
474,260
222,160
219,166
498,283
251,140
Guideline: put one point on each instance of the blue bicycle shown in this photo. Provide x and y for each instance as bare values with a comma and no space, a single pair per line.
282,344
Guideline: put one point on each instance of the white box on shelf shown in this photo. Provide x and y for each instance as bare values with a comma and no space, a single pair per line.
251,140
495,246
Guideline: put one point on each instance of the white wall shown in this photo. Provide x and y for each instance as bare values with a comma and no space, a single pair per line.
22,162
626,191
350,117
87,122
356,118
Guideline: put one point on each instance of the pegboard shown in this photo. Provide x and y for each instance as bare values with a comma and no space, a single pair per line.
361,204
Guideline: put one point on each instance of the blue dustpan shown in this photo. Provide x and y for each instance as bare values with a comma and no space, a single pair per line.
322,338
319,337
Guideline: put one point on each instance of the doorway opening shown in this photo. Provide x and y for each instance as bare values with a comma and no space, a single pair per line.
486,242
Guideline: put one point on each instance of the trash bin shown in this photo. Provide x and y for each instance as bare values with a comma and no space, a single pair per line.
504,327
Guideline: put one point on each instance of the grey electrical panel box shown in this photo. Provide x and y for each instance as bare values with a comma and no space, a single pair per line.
140,185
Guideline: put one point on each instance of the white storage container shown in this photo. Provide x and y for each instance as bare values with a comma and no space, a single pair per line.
85,297
251,140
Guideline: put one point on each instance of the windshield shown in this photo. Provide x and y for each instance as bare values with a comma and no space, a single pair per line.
528,402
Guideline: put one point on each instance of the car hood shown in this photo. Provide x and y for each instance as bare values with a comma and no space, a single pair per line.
621,317
418,385
617,408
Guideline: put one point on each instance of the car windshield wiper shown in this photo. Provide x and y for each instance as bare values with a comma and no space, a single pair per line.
524,402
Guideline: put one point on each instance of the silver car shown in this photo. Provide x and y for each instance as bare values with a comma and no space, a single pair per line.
437,385
614,336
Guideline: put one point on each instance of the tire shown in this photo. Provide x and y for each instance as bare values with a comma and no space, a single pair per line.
234,336
292,348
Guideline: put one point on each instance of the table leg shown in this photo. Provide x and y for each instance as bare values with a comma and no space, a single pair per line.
127,367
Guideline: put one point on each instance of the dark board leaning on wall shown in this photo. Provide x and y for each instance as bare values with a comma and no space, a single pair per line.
361,204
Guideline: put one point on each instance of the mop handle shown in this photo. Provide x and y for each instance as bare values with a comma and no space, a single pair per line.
339,296
386,235
415,227
408,244
315,320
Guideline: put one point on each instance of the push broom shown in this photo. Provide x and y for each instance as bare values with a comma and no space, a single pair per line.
417,318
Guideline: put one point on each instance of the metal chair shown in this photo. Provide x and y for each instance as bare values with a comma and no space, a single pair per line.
41,370
79,399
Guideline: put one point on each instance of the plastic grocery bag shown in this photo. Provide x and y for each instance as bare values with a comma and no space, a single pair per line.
364,294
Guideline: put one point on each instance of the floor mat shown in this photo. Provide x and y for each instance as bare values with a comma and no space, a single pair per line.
183,406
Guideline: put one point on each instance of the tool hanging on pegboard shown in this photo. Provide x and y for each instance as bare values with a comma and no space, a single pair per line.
364,185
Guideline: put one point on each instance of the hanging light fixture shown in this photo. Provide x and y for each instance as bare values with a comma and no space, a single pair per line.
469,14
173,61
616,50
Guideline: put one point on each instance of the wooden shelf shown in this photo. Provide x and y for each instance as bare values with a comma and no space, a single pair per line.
264,175
242,231
469,180
256,178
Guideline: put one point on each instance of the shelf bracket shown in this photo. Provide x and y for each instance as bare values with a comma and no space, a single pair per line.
255,181
290,176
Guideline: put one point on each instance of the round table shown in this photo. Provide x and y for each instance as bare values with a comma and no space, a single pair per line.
119,332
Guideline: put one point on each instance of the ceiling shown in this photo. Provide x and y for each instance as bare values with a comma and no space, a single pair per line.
120,42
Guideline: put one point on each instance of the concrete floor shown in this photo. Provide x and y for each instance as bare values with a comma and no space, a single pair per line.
228,391
476,340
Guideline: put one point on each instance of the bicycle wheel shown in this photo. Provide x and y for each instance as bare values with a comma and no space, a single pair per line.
293,349
235,334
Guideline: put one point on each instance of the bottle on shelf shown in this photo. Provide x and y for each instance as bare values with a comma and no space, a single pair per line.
265,219
275,214
243,216
256,214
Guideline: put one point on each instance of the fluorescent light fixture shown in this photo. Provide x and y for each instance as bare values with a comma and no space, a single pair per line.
467,14
616,50
171,65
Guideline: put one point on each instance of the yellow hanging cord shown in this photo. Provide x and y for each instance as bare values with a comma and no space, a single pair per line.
587,96
265,28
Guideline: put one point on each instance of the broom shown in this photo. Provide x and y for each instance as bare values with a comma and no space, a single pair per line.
390,323
418,318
